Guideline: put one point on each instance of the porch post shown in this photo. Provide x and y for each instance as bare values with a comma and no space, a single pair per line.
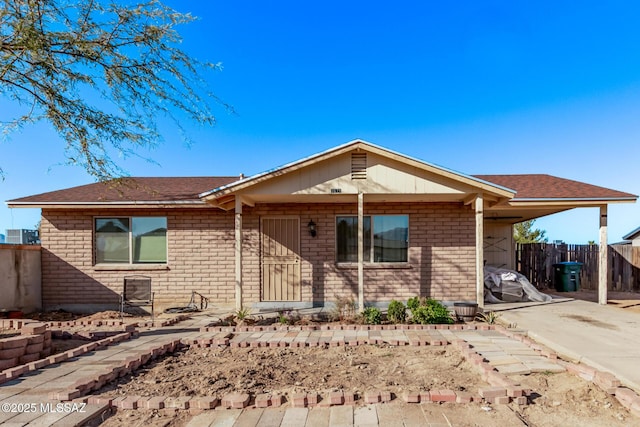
238,251
603,268
360,252
479,204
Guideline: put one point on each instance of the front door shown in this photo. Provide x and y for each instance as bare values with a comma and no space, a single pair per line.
280,259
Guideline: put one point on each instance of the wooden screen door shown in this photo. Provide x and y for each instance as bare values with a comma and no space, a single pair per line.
281,259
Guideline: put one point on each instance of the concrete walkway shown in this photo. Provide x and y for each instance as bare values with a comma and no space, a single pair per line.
26,400
603,337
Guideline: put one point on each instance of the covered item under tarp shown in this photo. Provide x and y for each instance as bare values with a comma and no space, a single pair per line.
502,285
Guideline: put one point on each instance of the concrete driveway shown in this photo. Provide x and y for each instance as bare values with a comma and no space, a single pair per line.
604,337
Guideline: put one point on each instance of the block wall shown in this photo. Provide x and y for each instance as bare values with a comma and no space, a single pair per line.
441,253
31,342
201,256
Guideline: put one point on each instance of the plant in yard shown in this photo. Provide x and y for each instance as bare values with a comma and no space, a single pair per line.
413,303
242,315
439,312
288,317
431,311
490,317
396,312
344,309
282,318
420,315
372,316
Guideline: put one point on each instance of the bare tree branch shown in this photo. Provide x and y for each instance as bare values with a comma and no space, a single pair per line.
57,55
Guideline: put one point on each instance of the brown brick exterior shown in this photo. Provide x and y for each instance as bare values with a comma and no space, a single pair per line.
201,256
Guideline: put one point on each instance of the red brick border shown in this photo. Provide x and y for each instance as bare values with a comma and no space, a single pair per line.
350,327
15,372
501,389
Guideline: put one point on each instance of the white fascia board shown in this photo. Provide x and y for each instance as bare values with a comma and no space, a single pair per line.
574,199
77,205
346,145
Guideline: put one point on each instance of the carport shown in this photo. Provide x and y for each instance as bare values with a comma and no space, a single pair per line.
539,195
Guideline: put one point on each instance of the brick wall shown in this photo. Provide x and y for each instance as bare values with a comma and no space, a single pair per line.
201,256
441,253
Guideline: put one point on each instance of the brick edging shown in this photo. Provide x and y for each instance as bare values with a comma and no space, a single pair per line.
24,361
494,394
501,389
118,322
606,381
352,327
96,381
17,371
264,400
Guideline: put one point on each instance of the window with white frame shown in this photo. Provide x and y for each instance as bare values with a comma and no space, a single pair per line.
131,240
386,238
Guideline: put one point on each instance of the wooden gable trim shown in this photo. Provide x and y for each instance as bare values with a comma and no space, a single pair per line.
359,146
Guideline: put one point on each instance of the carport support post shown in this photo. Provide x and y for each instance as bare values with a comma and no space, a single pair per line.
238,252
603,268
360,252
479,204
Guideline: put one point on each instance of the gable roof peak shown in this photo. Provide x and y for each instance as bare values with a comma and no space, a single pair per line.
369,147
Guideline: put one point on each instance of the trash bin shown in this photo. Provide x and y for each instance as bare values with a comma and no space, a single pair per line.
566,276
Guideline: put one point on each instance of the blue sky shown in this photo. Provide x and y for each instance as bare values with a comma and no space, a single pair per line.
491,87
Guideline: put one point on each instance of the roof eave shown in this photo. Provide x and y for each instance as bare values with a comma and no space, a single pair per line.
298,164
573,200
109,205
632,235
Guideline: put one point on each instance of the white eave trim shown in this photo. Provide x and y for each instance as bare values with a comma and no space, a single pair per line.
632,235
110,205
570,199
459,175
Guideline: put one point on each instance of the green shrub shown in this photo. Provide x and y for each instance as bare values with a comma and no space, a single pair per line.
431,311
413,303
397,312
421,314
439,313
372,316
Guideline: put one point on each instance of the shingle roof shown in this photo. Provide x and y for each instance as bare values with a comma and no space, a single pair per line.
540,186
147,189
187,189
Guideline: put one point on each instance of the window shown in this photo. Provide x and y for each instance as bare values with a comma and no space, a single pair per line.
386,238
131,240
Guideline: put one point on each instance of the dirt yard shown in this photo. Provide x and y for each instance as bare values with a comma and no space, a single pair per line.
558,399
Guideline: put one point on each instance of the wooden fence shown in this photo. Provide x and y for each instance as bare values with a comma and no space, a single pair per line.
535,261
